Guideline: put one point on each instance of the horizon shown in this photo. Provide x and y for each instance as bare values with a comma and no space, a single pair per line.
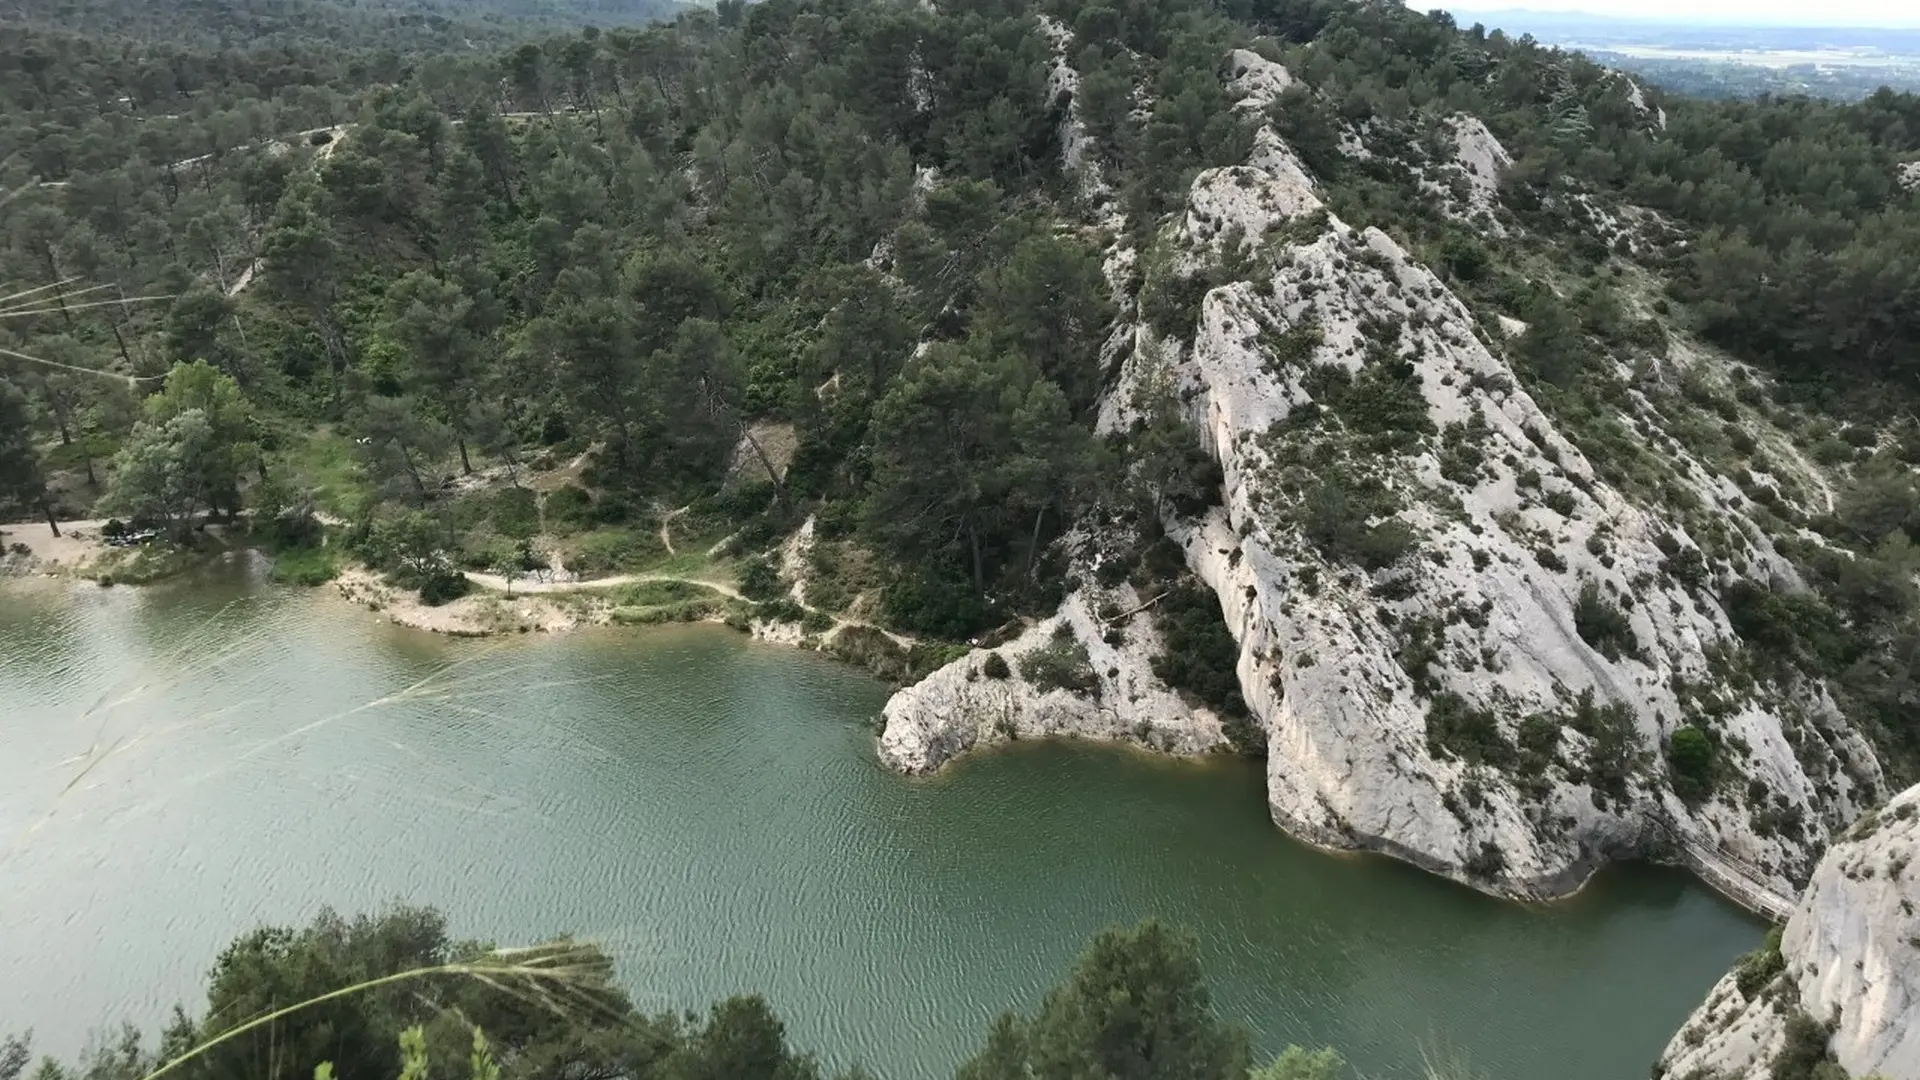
1835,14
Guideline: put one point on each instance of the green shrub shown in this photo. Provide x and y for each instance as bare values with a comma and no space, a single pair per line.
1759,967
1060,664
1202,658
516,513
1602,625
1690,762
1790,626
1463,449
1171,304
1455,729
1487,863
1465,258
568,510
760,581
995,667
613,550
1383,403
1539,741
1337,517
935,604
781,609
1295,346
1614,756
1807,1053
443,586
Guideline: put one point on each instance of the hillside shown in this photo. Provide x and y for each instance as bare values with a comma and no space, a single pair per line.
1520,461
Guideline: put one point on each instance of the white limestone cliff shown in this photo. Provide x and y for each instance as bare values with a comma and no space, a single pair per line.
1849,956
968,704
1514,528
1256,80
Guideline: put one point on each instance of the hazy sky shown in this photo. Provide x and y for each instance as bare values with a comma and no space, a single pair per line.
1902,13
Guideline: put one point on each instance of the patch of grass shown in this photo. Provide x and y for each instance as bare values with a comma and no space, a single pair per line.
613,550
685,611
307,567
656,593
326,465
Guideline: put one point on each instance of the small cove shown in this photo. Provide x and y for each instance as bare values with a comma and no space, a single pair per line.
183,763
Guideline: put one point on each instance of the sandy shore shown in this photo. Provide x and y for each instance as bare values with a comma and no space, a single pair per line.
479,614
29,547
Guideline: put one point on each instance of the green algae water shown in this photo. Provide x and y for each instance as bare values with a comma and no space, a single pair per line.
178,765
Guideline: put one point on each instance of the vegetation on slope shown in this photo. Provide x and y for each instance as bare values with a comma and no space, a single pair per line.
393,995
615,264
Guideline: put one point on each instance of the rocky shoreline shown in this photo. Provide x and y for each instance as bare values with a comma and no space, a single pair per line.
1841,981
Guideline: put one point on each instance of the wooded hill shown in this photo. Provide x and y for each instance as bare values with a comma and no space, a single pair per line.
869,228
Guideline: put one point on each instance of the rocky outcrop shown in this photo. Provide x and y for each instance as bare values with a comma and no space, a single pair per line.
1472,178
1465,647
1849,958
1081,674
1256,80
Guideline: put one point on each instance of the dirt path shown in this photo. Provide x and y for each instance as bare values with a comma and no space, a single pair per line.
666,529
499,584
245,279
536,588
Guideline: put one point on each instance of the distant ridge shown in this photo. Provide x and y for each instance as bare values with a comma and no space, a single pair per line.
1532,18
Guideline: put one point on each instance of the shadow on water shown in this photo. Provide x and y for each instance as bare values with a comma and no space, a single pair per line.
714,812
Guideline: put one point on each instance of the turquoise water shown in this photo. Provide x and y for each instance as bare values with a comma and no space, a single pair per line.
179,765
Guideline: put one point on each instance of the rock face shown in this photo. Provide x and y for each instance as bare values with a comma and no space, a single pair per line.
1850,955
1256,79
1463,646
977,702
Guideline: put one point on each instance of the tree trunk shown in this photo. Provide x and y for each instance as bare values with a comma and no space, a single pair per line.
466,467
1033,545
47,507
979,574
779,482
406,459
125,357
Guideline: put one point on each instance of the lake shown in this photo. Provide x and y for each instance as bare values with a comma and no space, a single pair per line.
179,764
